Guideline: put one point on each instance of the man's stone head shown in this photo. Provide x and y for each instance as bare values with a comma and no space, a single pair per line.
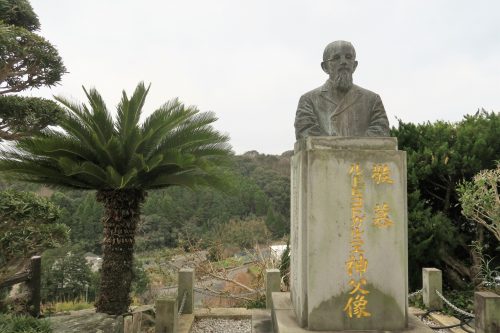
339,62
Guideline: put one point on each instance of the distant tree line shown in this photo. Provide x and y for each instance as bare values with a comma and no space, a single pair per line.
259,192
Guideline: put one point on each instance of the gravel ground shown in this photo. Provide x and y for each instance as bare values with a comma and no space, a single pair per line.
431,323
215,325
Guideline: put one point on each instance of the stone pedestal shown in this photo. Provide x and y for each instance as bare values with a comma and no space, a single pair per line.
349,234
285,321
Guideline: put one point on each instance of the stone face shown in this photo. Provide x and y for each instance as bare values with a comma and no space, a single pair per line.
284,320
85,321
487,311
432,280
322,239
186,284
273,281
166,315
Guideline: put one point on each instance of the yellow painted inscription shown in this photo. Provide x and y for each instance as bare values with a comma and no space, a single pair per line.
356,307
381,173
357,264
381,219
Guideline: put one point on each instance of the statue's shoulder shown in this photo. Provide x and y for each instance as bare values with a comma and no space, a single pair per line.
313,93
365,92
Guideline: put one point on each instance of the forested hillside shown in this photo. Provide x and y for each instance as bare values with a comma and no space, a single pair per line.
256,208
257,205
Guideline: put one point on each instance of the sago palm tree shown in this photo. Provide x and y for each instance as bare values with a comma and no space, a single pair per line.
121,159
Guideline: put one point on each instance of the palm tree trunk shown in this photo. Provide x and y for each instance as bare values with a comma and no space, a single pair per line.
121,215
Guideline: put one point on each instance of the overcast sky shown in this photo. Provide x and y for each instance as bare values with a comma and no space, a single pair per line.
250,61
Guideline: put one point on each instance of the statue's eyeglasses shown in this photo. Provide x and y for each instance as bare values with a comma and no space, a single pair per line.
335,58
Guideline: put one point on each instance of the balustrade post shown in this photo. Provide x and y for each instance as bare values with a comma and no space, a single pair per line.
432,280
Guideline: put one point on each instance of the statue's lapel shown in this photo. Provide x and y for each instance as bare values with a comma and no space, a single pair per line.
349,99
326,92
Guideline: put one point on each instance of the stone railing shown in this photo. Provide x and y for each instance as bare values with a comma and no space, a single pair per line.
486,304
170,308
32,277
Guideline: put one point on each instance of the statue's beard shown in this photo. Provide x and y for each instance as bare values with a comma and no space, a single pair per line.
343,81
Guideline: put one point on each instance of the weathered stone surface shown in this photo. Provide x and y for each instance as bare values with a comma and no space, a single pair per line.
321,236
186,284
86,321
166,315
92,322
432,280
285,321
340,143
273,281
261,321
128,324
487,311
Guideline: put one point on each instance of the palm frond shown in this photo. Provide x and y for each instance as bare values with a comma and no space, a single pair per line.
189,178
35,171
129,110
193,132
161,123
55,144
99,117
77,126
175,145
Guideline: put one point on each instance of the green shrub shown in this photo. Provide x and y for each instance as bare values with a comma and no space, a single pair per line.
23,324
29,226
416,302
462,299
258,303
242,233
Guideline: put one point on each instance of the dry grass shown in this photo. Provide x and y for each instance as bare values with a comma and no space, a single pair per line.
66,306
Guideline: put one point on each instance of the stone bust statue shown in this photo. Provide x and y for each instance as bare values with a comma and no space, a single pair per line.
339,107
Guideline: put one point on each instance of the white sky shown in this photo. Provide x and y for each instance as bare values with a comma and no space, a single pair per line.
250,61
